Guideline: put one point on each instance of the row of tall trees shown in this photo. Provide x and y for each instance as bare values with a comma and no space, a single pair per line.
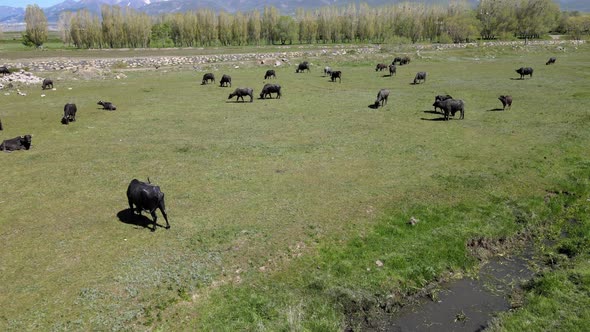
455,22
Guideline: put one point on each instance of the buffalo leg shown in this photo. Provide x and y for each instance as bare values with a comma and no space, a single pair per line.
162,207
155,217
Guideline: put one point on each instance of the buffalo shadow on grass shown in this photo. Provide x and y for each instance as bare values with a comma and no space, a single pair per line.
495,110
434,119
128,216
434,112
374,106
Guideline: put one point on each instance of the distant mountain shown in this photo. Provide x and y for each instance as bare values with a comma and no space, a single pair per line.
11,14
157,7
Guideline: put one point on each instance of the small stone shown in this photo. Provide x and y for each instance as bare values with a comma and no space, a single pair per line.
413,221
379,263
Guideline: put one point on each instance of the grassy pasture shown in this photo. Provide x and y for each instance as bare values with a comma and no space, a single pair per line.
278,208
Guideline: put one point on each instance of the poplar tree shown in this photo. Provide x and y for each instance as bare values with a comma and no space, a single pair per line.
36,31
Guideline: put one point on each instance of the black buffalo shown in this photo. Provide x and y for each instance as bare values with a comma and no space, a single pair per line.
47,83
440,98
270,88
69,113
525,71
404,61
302,67
337,74
420,76
397,59
17,143
146,197
107,105
1,127
380,67
270,73
241,92
4,71
208,77
506,101
327,71
451,106
392,70
225,80
382,97
551,60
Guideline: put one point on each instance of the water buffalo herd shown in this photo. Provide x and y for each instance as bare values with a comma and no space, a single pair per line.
447,104
144,196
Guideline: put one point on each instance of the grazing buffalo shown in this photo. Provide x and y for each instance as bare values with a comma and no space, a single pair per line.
225,80
270,73
420,76
551,61
440,98
506,101
17,143
382,97
47,83
380,67
525,71
451,106
327,71
270,88
404,61
4,71
69,113
392,70
337,74
208,77
106,105
302,67
241,92
397,59
146,197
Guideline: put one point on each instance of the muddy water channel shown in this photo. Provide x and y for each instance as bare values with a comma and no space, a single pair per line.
467,304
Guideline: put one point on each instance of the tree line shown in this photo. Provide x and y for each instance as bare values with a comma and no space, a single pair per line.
457,21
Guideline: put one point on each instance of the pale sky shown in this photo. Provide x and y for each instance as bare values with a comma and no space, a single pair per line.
24,3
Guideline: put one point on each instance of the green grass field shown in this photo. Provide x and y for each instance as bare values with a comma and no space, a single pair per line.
279,209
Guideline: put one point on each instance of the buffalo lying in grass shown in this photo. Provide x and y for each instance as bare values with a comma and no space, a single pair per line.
17,143
551,61
107,105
